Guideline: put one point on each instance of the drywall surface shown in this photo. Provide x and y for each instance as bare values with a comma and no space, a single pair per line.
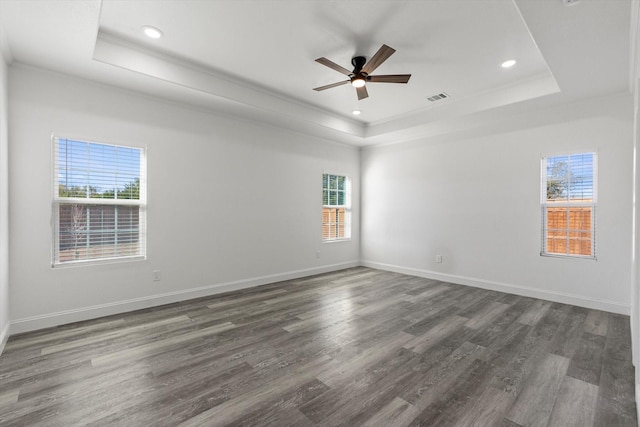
474,199
4,211
231,203
635,266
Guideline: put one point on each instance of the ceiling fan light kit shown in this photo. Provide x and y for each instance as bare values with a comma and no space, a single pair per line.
357,82
362,70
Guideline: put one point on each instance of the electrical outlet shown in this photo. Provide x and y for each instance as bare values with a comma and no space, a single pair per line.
438,258
156,275
317,254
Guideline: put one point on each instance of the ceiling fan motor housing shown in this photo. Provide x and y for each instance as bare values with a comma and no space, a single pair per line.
358,62
358,77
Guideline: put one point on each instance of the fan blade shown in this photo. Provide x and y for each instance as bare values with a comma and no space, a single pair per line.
362,92
333,65
390,78
378,58
332,85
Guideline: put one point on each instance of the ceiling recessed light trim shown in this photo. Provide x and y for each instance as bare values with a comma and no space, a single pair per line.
508,63
356,112
152,32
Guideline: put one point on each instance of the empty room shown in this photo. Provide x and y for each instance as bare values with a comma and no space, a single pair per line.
319,213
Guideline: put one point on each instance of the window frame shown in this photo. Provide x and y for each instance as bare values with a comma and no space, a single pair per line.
346,206
58,201
569,204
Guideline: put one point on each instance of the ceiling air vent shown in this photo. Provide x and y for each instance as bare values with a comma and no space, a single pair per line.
438,97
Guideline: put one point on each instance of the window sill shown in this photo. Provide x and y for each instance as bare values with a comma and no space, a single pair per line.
346,239
550,255
86,263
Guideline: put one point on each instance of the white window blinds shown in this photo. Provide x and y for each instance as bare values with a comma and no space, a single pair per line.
99,203
568,201
336,207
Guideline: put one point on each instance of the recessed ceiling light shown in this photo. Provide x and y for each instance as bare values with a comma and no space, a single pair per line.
508,64
152,32
356,112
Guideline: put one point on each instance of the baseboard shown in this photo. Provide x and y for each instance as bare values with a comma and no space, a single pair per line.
610,306
63,317
4,337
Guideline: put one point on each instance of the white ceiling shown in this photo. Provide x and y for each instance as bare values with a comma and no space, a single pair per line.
255,58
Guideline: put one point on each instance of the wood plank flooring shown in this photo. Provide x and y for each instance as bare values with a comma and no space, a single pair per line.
349,348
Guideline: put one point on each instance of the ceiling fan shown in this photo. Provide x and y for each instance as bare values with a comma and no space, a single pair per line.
362,70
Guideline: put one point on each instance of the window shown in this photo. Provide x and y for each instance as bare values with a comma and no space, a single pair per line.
569,205
99,204
336,207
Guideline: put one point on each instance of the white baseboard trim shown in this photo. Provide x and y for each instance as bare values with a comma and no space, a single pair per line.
76,315
69,316
581,301
4,337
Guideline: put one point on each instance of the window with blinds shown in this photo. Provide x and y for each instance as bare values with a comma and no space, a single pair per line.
568,201
99,202
336,207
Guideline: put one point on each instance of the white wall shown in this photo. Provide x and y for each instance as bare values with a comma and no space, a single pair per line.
4,197
635,267
234,204
475,199
230,203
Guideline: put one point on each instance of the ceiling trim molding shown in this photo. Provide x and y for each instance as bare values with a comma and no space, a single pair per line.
409,127
225,92
243,99
509,119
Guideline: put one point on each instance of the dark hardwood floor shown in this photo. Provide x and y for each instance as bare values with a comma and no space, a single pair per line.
354,347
